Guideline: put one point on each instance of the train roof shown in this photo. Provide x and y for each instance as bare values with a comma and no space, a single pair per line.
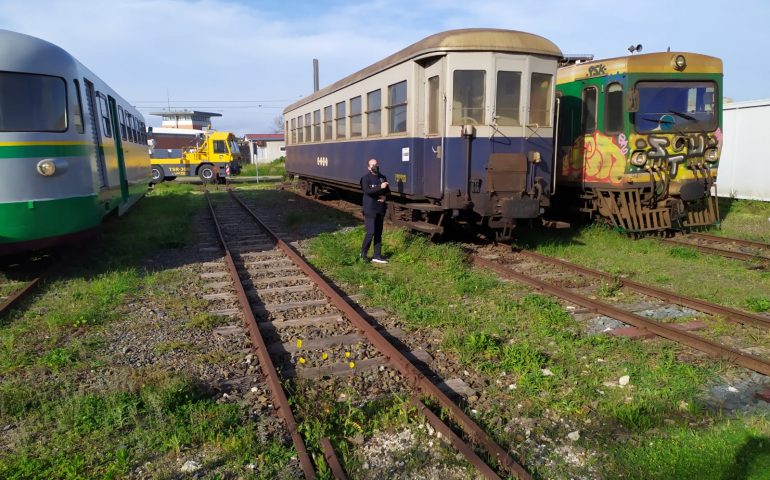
468,40
24,53
658,62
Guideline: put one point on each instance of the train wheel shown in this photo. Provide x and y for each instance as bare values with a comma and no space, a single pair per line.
157,175
206,173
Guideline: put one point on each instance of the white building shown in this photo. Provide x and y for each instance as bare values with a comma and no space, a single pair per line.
265,147
744,167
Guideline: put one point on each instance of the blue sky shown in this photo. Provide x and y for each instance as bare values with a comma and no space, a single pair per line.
249,59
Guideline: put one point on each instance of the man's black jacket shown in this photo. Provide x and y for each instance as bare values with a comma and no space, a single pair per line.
374,201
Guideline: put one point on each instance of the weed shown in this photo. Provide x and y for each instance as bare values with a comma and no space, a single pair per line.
206,321
609,289
683,252
57,358
758,304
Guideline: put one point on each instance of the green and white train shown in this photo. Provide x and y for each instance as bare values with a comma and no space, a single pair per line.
71,149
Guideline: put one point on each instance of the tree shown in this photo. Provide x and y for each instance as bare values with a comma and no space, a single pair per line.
277,124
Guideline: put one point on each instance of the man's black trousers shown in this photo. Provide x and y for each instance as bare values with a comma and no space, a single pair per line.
373,224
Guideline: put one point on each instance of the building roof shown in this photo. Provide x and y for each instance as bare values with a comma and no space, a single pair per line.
746,104
180,113
263,136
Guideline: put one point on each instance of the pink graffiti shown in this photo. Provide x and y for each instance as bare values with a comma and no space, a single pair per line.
623,142
718,135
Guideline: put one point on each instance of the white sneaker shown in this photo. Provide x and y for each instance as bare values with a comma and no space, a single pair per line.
379,260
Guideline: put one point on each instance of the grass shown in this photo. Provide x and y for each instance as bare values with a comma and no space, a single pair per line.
276,168
682,269
532,352
734,449
102,435
62,429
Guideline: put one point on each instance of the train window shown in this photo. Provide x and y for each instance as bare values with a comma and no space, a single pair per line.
128,127
300,129
341,127
613,107
286,133
32,103
468,97
374,113
307,128
397,107
135,124
355,116
77,115
540,99
328,122
122,121
220,146
588,118
293,130
105,112
317,125
508,98
433,105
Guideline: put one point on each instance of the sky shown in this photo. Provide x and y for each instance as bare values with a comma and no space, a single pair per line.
249,59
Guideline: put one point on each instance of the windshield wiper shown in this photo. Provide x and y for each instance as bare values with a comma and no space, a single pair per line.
683,115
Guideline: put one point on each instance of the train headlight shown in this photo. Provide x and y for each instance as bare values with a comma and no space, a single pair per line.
639,159
711,155
679,63
46,168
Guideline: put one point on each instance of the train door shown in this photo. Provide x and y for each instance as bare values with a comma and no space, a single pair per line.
434,108
588,122
539,128
118,148
95,132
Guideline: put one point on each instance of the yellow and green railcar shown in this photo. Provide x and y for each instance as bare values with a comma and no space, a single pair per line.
639,139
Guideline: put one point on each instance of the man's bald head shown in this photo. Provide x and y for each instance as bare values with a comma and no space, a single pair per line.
372,162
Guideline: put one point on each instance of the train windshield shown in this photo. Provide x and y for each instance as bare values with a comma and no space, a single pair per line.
676,107
32,103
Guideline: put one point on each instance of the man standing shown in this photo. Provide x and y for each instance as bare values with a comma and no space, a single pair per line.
375,188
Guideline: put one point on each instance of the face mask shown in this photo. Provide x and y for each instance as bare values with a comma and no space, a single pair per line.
376,170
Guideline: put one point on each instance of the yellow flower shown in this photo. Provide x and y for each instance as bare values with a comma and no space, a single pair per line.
299,343
352,364
347,354
324,356
302,360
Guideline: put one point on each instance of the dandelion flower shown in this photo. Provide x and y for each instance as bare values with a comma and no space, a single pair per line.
302,360
352,364
299,343
324,356
347,354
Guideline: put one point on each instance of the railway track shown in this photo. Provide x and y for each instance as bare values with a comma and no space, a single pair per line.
539,272
747,250
299,324
20,279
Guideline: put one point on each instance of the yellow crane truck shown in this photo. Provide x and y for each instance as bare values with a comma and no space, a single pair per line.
215,157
